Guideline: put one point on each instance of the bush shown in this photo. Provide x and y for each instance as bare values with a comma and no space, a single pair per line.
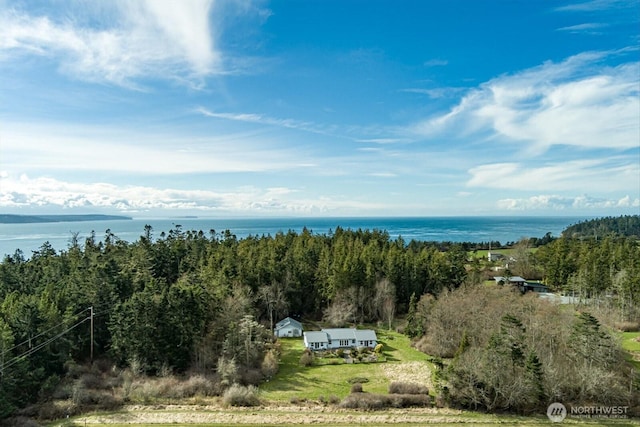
334,400
306,359
356,388
370,401
270,364
410,400
397,387
628,326
238,395
366,401
378,348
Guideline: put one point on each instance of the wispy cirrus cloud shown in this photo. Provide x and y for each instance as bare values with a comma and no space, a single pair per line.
596,5
437,93
604,175
147,38
576,102
593,28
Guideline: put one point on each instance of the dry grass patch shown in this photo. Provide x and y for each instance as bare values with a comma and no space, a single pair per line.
409,372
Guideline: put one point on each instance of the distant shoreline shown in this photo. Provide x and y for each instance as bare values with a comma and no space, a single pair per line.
35,219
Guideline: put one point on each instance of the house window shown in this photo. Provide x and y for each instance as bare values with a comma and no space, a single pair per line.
344,343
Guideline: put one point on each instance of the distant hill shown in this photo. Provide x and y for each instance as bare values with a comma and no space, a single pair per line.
626,225
31,219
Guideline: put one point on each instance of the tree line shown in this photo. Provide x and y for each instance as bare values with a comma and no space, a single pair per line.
190,300
205,301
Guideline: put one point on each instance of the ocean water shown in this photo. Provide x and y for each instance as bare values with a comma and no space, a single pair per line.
30,237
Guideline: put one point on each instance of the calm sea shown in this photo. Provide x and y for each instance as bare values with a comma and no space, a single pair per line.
30,237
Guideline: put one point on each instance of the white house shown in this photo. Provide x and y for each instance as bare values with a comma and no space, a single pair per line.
340,338
288,327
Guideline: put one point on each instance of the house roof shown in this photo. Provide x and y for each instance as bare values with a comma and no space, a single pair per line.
366,335
288,322
341,333
316,336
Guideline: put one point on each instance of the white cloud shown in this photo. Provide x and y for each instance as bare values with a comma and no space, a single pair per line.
607,176
587,28
595,5
437,93
555,202
159,38
576,102
45,192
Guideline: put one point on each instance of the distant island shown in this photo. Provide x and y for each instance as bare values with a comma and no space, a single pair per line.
32,219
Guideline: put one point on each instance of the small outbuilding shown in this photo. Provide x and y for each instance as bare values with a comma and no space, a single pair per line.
288,327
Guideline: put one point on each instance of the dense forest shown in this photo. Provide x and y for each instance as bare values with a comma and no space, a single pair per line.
627,225
205,302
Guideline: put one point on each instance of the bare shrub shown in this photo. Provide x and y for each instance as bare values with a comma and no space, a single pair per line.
398,387
372,401
238,395
19,422
228,371
410,400
356,388
270,364
251,376
198,385
334,400
306,359
366,401
627,326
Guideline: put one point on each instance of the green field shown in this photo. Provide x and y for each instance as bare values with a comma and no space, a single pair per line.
297,382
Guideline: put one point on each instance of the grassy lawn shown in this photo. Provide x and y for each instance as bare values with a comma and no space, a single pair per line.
629,341
632,346
294,381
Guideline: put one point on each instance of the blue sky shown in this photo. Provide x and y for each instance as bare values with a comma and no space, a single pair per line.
320,107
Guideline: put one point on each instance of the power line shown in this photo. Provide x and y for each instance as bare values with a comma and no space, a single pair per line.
38,347
42,333
32,350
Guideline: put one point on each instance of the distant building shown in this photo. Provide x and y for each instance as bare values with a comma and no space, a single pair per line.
494,256
288,327
511,280
522,284
327,339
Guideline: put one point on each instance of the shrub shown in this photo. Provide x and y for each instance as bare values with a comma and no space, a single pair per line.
228,371
378,348
251,376
197,385
334,400
356,388
306,359
366,401
398,387
370,401
340,352
238,395
410,400
627,326
270,364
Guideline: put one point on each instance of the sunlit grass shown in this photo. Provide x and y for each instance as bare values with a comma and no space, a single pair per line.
294,381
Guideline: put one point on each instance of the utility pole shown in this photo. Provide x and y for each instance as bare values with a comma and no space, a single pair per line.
91,314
